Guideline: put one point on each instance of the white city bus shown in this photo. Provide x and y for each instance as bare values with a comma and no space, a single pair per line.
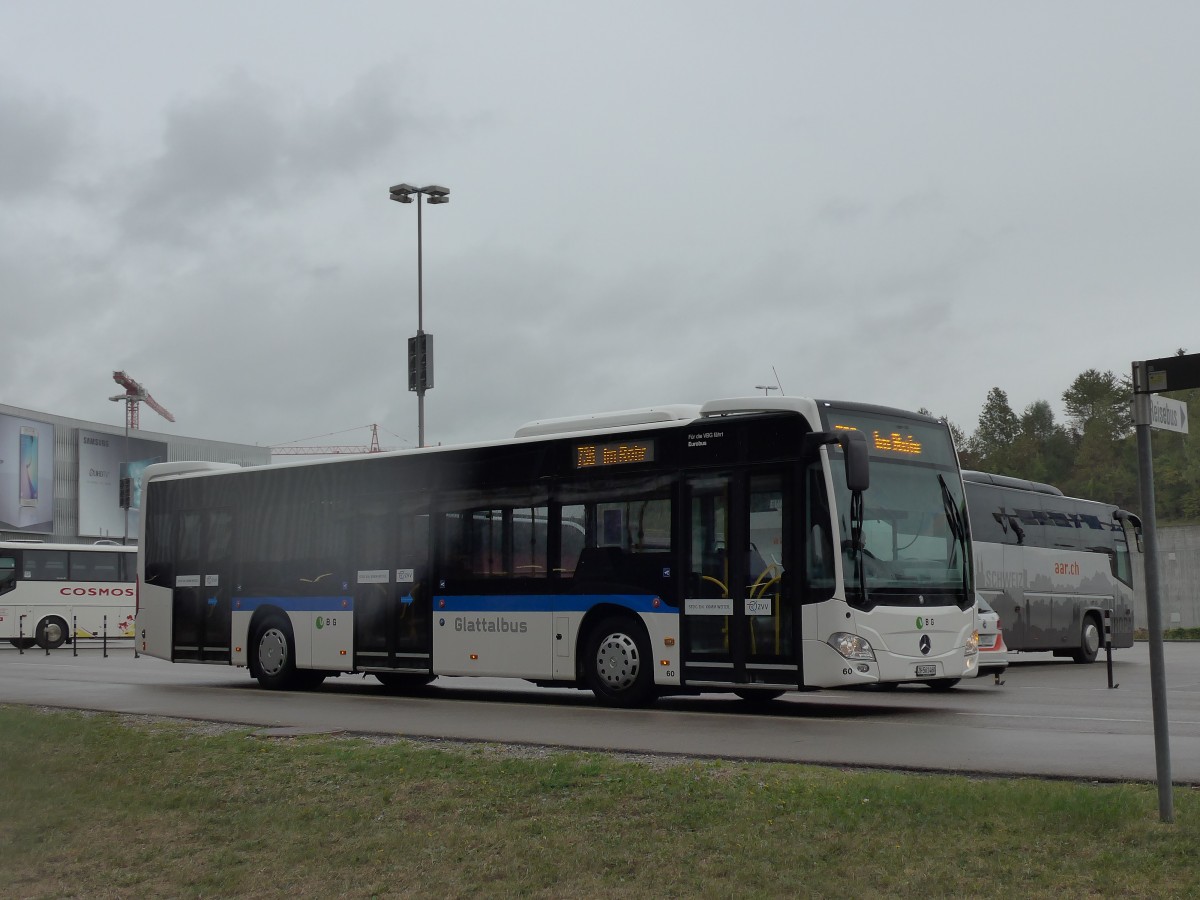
1051,565
53,593
753,546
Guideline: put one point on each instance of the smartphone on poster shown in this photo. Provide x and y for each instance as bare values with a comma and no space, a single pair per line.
29,466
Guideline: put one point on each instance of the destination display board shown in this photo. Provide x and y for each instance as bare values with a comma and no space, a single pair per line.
614,453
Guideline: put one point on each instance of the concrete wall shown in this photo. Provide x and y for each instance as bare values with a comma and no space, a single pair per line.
1179,575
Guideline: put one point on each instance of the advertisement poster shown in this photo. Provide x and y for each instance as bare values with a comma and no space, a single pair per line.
26,475
104,459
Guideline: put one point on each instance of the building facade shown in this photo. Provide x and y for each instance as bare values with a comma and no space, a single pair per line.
60,478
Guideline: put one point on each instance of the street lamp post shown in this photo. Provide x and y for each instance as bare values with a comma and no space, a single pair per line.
766,389
420,348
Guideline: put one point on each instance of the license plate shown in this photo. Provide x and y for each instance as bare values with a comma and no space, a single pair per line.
926,671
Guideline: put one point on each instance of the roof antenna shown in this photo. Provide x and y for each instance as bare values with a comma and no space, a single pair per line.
778,382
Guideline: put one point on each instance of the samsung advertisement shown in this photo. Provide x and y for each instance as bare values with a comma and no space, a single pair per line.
26,475
104,459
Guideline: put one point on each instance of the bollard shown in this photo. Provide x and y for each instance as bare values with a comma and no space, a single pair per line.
21,635
104,635
1108,646
75,635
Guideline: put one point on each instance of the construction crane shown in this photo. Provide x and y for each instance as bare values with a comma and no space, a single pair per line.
293,450
135,394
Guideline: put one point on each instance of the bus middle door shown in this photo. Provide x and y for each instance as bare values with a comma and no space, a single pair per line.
201,603
391,600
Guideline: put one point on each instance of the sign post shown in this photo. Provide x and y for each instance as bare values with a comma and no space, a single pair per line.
1174,373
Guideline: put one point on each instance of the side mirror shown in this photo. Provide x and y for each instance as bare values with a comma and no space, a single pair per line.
1132,522
854,445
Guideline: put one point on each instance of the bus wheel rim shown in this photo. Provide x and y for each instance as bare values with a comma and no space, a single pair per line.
272,651
618,662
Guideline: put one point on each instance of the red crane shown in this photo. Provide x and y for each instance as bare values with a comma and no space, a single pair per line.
293,450
135,394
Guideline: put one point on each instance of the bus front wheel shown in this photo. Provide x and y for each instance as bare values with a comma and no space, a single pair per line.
1089,641
51,633
617,664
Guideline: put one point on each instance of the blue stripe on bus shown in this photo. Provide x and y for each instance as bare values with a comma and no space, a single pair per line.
498,603
295,604
516,603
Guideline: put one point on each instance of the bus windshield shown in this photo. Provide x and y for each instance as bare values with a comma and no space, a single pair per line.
913,549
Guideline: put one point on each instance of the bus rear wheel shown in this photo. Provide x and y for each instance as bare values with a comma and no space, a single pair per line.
617,665
1089,641
51,633
273,654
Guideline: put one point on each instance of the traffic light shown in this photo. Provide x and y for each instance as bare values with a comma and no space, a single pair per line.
126,492
412,363
420,362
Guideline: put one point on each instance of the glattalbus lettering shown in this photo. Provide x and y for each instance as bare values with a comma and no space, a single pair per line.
499,626
96,592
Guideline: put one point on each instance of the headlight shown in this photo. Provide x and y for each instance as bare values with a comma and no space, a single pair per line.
851,646
973,644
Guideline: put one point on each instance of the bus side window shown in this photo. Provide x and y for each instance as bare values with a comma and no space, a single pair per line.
81,567
46,565
105,566
573,538
8,574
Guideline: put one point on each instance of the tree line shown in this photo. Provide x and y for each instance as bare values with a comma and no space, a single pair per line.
1093,454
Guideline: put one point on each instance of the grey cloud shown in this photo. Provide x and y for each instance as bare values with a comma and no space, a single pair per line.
39,137
245,146
217,151
842,211
351,131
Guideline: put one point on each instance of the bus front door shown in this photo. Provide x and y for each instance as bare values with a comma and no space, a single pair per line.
738,616
203,586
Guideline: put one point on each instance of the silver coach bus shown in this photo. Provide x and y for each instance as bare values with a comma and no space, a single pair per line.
1050,565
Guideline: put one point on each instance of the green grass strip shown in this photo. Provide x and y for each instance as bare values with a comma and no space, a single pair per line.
110,806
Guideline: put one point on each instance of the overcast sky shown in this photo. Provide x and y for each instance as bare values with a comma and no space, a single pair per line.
901,203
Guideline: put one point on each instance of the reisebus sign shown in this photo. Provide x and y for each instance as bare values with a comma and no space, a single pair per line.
1167,414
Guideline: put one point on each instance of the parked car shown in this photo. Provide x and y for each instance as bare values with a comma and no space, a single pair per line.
993,655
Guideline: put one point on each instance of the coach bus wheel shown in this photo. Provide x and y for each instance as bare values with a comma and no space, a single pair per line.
51,633
402,682
274,654
21,643
617,665
1089,641
943,684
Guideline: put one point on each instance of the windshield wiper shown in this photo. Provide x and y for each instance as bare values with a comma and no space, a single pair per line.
954,518
856,545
